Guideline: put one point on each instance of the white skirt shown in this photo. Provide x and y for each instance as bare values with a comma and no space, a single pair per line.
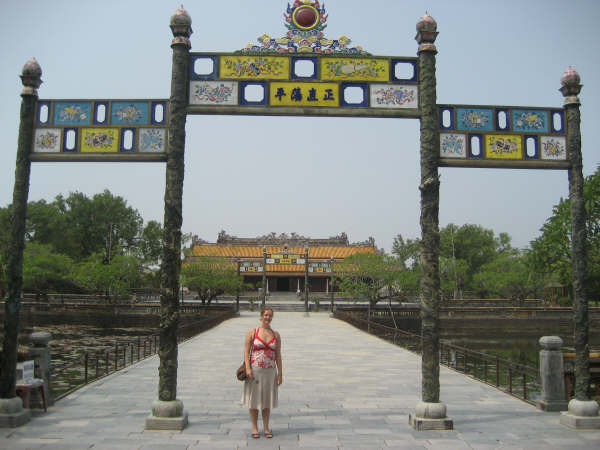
261,391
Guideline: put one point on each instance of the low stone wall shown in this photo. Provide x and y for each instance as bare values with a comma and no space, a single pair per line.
103,316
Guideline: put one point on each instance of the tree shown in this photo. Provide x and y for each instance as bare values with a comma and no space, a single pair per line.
552,250
45,271
211,277
368,276
115,279
150,244
408,252
508,276
475,246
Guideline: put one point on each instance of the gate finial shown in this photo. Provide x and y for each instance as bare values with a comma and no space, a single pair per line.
31,77
571,85
426,33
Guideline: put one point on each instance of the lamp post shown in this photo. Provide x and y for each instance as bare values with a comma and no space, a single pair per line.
306,279
264,277
332,282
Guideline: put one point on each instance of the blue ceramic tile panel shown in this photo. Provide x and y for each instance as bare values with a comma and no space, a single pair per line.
530,120
474,119
72,113
129,113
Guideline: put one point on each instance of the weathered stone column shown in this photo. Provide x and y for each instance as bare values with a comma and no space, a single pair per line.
12,413
167,411
583,412
40,353
430,414
552,375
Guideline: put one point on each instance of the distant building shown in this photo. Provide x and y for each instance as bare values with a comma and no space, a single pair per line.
285,258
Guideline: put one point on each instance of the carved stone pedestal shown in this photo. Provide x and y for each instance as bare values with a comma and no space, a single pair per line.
430,417
582,415
167,416
12,413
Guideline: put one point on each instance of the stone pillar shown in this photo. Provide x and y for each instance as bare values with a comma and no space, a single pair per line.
40,353
332,283
12,413
430,413
552,375
167,411
582,412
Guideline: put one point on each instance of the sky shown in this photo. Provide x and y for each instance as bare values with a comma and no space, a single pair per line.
317,177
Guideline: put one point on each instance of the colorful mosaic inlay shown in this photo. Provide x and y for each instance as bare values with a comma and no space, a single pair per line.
553,148
129,113
453,145
213,93
100,140
355,69
304,94
503,146
124,127
152,140
476,119
530,120
394,96
72,113
254,67
47,140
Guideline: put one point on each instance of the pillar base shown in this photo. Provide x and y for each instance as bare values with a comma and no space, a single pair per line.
582,415
12,413
430,417
167,415
552,406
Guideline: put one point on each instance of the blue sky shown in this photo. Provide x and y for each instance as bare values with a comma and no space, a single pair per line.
314,176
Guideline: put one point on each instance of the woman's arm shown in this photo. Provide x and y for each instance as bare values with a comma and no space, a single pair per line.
247,344
278,360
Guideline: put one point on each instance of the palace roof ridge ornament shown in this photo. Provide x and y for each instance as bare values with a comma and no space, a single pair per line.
305,21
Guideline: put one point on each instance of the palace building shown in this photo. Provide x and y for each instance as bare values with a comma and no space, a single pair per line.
288,259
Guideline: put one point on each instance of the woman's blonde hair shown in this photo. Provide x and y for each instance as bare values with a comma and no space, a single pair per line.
265,309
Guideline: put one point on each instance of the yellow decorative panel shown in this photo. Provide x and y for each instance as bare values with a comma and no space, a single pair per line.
503,146
304,94
355,69
100,140
254,67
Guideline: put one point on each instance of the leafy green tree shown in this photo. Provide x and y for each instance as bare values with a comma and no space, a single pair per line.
369,276
211,277
115,279
453,273
45,271
475,246
408,251
149,244
552,250
508,276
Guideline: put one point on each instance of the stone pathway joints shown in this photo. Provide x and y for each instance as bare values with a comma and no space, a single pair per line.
343,389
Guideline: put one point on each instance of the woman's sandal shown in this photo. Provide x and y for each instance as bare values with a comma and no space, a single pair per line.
255,435
268,434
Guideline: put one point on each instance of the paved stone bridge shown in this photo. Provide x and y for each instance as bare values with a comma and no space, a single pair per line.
343,389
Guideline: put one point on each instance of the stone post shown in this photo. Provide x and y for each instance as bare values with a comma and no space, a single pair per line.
237,295
264,278
40,353
12,413
430,413
306,280
167,411
552,374
583,412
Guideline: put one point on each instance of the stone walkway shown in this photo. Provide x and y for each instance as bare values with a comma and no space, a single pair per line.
343,389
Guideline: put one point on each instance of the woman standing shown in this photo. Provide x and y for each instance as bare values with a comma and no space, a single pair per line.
262,355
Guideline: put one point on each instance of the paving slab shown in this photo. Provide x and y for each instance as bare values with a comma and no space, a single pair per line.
343,389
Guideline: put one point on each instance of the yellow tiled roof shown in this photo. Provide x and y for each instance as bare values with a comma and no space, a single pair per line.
247,251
